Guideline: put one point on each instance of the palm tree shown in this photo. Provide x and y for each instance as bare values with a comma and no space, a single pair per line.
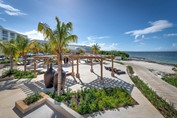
81,51
58,39
34,46
45,48
95,48
9,48
23,45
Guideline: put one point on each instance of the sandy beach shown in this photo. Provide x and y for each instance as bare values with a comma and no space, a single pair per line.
153,66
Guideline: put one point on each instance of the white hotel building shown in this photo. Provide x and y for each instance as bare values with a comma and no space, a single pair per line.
6,34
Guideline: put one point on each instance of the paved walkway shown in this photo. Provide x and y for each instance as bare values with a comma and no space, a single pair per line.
25,87
162,88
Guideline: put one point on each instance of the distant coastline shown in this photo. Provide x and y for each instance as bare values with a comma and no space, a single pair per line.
161,57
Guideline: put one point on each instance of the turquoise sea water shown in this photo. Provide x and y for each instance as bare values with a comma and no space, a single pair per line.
161,57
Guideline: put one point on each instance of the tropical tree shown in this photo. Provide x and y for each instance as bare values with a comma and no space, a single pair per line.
23,47
34,46
95,48
45,48
9,49
81,51
66,50
58,39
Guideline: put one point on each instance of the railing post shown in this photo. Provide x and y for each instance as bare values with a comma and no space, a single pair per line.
91,70
77,74
112,73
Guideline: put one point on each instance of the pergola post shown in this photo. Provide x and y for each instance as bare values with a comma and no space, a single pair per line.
48,60
112,73
91,70
101,65
72,66
77,74
34,66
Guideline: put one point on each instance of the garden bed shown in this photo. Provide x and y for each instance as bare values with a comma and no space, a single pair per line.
92,100
171,79
167,110
18,74
31,102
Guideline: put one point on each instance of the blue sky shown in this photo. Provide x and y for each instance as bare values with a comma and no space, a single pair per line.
127,25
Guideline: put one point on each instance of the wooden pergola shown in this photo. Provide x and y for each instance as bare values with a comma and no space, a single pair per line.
77,57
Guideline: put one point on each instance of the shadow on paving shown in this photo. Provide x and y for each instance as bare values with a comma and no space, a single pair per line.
32,87
12,84
108,82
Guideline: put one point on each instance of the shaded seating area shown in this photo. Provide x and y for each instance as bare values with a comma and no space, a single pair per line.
100,59
117,71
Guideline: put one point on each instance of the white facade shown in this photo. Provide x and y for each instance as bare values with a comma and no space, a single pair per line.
75,48
6,34
39,41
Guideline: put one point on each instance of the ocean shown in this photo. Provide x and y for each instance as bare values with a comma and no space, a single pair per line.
160,57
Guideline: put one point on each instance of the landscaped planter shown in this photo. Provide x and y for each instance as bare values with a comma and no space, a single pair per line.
61,108
25,108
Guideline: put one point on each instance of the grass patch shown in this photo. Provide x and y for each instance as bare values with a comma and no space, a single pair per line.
18,74
92,100
4,61
171,79
120,63
130,70
174,69
33,98
166,109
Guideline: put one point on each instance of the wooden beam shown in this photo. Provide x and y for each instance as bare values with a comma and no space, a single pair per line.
91,70
112,73
101,65
77,74
48,60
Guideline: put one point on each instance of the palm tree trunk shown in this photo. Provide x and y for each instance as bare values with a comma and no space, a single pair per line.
11,62
24,57
59,72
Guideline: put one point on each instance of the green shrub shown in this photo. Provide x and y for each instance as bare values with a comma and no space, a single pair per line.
92,100
130,69
124,55
4,61
167,110
33,98
171,79
174,69
18,74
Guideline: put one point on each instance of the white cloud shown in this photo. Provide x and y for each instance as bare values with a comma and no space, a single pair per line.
10,10
91,41
138,40
34,35
113,46
174,45
12,13
2,19
156,26
97,37
170,35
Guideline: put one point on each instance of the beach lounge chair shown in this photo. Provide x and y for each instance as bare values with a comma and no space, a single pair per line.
107,68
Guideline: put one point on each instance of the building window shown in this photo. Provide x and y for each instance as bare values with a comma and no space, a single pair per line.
12,35
4,38
5,34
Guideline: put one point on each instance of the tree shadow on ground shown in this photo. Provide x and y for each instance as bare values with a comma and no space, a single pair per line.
13,84
39,86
